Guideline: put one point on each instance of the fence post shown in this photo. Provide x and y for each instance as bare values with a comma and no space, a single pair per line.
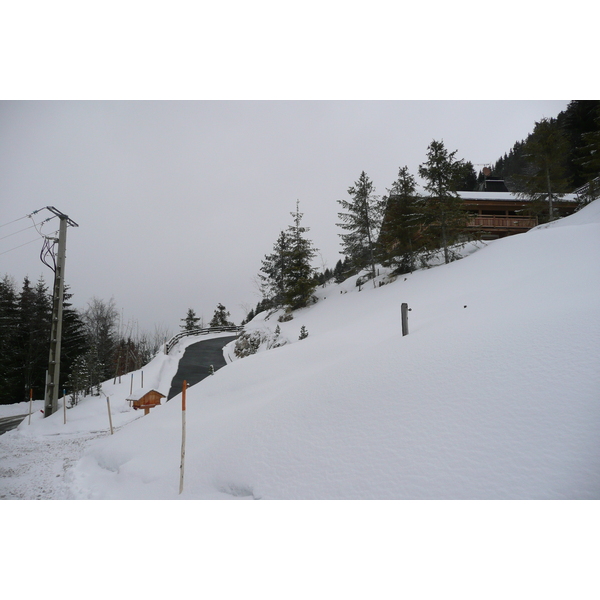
404,311
109,415
181,466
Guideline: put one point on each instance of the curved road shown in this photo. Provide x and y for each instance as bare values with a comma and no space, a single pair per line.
8,423
195,363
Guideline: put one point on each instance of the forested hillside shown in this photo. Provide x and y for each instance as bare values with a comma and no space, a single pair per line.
577,130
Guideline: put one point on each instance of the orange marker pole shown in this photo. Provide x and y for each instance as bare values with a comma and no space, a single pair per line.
181,467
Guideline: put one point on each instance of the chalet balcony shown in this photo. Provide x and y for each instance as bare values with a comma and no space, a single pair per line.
502,223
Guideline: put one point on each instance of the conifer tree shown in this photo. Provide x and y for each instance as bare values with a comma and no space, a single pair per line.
9,325
545,178
361,220
287,275
273,272
400,234
220,318
191,321
444,216
299,274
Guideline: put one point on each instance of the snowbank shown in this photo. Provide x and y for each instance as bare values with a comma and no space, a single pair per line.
494,394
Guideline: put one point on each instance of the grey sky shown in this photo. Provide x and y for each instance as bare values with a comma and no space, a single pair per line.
177,202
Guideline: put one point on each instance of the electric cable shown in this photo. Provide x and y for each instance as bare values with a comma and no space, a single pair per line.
24,217
25,244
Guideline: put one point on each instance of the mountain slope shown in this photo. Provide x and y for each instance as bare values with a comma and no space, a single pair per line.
494,394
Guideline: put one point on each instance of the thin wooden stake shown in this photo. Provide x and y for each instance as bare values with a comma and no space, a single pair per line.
109,415
65,405
142,379
30,401
181,467
131,385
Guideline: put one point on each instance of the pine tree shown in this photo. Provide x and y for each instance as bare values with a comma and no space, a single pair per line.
445,218
220,318
273,272
400,237
299,275
190,323
545,179
10,387
362,220
287,275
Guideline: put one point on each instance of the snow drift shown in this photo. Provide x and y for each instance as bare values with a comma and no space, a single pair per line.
494,394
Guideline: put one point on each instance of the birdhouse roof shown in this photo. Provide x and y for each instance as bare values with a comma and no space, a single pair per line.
139,394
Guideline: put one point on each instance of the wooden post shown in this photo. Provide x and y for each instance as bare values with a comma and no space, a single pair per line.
404,310
181,467
30,400
142,379
131,385
109,415
65,406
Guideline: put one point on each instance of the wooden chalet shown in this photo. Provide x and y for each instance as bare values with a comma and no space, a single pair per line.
496,212
145,399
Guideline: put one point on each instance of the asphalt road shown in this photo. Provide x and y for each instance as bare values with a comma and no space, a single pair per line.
8,423
195,363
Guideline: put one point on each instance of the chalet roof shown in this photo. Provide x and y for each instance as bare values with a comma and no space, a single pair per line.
140,393
506,196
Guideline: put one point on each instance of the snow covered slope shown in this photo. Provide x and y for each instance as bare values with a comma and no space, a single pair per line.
495,393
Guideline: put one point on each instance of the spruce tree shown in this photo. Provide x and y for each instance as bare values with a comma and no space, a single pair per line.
545,178
444,216
190,323
273,272
400,236
361,220
10,387
287,275
220,318
299,275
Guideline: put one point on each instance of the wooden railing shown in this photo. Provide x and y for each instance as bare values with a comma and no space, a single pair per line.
496,222
205,331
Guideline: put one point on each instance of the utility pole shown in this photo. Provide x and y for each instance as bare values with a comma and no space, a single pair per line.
58,266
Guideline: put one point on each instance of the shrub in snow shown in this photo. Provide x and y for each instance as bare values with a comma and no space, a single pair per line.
303,333
251,342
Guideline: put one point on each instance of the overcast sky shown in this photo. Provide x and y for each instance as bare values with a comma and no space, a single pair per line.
177,202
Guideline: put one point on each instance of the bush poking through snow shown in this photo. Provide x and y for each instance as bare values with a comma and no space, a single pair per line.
251,342
303,333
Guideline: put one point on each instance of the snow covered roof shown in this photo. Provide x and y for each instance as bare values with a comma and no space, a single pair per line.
506,196
139,394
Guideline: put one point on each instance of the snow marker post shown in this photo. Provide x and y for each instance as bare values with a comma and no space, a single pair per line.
404,310
109,415
65,405
181,466
142,379
131,386
30,401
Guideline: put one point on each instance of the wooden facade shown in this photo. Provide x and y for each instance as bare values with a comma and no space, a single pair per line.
498,214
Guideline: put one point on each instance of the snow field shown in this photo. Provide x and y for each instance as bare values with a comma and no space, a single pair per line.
497,400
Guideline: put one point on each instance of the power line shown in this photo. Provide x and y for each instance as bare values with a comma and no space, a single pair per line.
25,217
26,228
25,244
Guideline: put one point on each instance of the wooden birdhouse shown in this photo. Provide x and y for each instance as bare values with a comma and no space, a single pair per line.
146,399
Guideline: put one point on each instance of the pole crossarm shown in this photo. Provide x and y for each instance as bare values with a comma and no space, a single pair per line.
62,216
